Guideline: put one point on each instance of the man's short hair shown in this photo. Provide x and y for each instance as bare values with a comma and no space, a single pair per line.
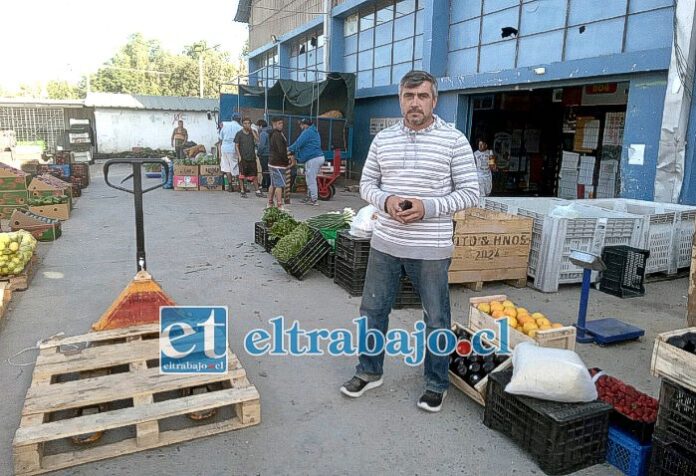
246,119
415,78
276,119
261,123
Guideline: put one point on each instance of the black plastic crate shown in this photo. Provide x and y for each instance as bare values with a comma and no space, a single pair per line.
625,271
352,250
561,437
669,458
260,232
269,243
676,417
408,297
304,261
327,265
350,279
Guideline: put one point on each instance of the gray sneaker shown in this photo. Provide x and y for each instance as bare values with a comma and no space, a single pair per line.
356,386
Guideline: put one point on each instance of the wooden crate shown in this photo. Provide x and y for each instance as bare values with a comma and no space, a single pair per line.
134,390
561,338
490,246
672,363
5,297
21,281
478,392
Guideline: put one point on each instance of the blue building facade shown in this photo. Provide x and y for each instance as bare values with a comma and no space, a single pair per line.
507,69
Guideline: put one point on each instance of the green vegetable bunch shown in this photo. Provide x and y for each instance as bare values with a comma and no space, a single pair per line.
332,220
272,215
291,244
283,227
50,200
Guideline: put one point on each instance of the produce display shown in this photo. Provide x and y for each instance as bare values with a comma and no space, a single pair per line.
200,160
272,215
48,200
332,220
283,227
16,250
291,244
626,400
473,368
685,342
519,318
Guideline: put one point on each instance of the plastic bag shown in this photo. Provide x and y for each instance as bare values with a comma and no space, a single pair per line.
550,374
364,222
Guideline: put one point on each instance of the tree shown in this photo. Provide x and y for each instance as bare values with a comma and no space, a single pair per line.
64,90
141,66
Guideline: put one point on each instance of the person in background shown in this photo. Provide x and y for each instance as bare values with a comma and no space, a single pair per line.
418,173
229,163
263,151
179,138
307,151
245,142
485,165
278,162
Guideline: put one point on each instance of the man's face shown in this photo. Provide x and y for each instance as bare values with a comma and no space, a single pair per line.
246,125
303,126
278,125
417,104
482,146
181,123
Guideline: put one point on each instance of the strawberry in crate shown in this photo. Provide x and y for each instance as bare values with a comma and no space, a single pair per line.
634,411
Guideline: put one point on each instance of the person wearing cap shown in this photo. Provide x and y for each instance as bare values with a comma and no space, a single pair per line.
307,151
229,162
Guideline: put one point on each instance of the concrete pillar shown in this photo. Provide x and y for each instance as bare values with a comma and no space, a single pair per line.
435,33
336,47
284,60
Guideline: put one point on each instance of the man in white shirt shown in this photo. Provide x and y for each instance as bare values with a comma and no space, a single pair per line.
485,163
229,162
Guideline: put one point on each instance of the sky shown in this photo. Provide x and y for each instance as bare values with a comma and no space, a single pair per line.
64,39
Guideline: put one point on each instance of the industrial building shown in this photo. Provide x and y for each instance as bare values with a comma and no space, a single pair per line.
550,84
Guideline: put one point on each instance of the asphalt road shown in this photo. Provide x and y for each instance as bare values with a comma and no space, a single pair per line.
201,250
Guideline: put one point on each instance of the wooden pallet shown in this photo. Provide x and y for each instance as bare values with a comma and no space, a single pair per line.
135,393
21,281
474,280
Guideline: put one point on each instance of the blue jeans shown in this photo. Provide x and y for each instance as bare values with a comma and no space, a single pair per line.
312,168
381,287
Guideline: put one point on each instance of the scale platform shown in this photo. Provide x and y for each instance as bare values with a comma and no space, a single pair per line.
610,331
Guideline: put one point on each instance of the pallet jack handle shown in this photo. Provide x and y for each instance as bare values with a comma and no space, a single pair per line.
137,191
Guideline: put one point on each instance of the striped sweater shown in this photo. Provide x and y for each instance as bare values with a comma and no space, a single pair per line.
436,165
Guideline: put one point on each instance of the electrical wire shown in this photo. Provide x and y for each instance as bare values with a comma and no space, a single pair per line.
685,72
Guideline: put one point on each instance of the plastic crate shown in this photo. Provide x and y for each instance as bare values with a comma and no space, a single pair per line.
309,255
677,414
408,297
269,243
349,278
627,454
553,238
625,271
352,250
561,437
669,458
327,265
260,232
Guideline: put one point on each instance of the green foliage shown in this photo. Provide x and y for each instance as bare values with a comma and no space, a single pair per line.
64,90
291,244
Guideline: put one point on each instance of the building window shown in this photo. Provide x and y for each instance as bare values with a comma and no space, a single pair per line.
307,57
269,69
382,42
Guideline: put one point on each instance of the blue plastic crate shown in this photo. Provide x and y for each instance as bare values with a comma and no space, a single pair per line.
627,454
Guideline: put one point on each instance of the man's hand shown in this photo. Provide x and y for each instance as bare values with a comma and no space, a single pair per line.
393,207
415,213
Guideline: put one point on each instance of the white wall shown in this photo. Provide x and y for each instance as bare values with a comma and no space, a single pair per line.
120,130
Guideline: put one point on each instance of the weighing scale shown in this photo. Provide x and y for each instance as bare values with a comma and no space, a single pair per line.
602,331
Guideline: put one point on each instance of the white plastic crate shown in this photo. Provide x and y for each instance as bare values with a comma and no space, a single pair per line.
670,230
554,237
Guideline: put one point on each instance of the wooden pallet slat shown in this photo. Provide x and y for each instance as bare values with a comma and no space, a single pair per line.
21,281
138,384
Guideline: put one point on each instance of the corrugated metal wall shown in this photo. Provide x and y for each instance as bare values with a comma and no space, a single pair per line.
277,17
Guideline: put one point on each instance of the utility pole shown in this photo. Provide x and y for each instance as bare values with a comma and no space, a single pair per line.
327,35
200,74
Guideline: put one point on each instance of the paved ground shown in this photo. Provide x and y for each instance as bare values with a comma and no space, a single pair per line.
200,248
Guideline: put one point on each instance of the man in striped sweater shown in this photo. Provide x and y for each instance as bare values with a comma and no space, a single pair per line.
418,173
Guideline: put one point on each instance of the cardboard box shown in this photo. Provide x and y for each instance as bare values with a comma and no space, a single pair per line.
185,182
16,197
59,211
185,170
210,182
210,170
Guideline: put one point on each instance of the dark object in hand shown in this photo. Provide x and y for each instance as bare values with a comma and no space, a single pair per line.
406,205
